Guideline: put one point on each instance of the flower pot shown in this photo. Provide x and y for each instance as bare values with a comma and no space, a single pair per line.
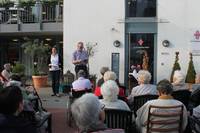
40,81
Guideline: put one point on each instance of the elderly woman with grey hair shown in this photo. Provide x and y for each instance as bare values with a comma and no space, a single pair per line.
110,75
144,86
110,91
179,81
89,115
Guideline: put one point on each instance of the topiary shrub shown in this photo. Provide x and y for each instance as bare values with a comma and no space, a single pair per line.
191,73
175,67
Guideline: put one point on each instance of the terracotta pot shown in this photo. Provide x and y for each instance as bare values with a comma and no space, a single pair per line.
39,81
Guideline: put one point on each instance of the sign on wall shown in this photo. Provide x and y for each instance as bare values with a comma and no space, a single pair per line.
195,42
115,63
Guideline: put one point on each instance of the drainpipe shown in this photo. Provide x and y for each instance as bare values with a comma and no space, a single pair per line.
16,5
38,7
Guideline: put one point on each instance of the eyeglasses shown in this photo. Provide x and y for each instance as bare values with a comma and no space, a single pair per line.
102,106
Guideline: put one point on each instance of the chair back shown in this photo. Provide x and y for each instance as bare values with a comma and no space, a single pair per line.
194,123
77,94
115,118
139,101
165,119
183,96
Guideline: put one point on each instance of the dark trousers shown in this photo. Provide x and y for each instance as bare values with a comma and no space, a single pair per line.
55,75
81,67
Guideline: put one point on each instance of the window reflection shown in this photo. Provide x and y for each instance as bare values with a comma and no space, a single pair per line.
141,8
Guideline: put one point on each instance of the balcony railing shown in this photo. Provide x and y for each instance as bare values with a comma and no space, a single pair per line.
32,14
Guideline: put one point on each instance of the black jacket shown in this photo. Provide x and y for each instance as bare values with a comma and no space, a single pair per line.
14,124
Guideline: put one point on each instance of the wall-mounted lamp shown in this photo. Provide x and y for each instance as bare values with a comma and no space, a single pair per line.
116,43
165,43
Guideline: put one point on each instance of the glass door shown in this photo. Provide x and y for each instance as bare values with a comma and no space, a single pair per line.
141,54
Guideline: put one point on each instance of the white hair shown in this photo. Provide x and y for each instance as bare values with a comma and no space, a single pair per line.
110,90
178,77
144,76
6,66
85,111
109,75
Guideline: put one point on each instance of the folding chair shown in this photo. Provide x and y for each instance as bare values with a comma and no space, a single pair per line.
165,119
139,101
38,107
183,96
194,124
115,118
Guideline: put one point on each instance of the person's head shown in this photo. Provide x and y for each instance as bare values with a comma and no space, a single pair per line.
81,73
110,90
197,79
7,66
179,77
80,46
54,50
103,70
164,87
11,100
87,112
109,75
144,77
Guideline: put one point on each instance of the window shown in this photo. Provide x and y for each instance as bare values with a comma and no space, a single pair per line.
141,8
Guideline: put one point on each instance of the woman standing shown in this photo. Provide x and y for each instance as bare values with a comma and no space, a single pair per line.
55,64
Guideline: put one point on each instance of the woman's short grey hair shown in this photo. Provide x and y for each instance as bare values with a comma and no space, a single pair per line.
109,75
110,90
103,70
165,87
144,76
178,77
85,111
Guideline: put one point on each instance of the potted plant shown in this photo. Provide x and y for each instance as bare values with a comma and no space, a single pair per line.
6,3
18,69
90,48
38,53
26,3
51,2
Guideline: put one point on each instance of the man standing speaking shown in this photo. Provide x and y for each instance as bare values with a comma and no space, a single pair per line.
80,58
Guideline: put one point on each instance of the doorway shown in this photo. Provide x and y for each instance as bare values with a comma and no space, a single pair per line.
140,55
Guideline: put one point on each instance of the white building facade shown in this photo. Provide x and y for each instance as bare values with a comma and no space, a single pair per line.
140,26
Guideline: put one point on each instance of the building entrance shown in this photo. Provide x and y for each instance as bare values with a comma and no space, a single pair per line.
141,55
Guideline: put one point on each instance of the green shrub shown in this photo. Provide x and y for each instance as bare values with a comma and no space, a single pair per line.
18,68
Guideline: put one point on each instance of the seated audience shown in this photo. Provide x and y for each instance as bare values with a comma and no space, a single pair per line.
101,80
110,91
179,81
109,75
81,83
11,103
165,89
89,116
6,73
144,86
27,92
